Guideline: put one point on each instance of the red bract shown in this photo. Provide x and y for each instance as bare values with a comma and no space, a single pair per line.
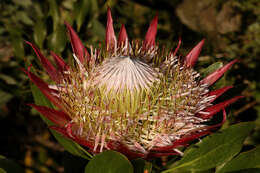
151,34
77,46
130,97
110,34
193,55
122,38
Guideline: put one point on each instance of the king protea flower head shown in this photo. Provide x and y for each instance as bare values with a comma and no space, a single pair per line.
130,96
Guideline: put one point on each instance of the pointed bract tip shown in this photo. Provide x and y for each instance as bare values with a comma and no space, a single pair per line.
193,55
151,34
217,93
212,110
213,77
76,44
51,70
108,10
110,34
122,38
62,66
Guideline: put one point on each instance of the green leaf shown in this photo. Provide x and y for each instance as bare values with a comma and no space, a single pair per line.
5,97
24,3
204,171
38,10
140,165
39,33
221,83
252,170
39,98
7,165
18,46
98,28
71,146
109,162
83,7
2,171
54,13
211,68
215,149
58,39
24,18
68,144
244,160
8,79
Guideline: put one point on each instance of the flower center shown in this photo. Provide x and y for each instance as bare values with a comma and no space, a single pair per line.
124,72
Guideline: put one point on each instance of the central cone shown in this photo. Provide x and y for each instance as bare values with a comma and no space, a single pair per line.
124,72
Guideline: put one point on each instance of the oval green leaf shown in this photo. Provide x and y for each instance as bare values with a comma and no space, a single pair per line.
210,69
54,13
245,160
109,162
215,149
18,46
83,7
58,39
40,32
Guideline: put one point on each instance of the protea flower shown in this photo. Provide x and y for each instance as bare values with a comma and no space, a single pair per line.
130,96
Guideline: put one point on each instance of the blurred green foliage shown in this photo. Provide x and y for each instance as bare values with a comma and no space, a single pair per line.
26,140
